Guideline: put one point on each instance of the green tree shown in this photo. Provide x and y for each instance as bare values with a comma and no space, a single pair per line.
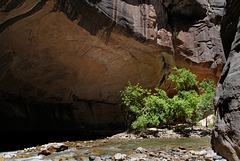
148,108
185,105
152,108
183,79
186,102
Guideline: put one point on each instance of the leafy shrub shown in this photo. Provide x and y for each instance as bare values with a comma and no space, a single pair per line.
148,108
155,108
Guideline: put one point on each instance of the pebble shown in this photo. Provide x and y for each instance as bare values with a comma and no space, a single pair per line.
97,159
92,157
30,149
5,156
105,157
151,154
217,157
62,159
141,150
84,158
204,152
78,145
141,154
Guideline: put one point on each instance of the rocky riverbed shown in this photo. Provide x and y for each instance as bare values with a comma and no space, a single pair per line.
155,144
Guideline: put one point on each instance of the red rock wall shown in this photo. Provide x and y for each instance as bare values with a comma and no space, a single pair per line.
73,51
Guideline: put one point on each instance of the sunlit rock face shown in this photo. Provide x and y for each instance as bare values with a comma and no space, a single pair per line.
226,133
78,55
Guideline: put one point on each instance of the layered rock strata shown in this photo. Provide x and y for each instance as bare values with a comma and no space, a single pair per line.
72,57
226,133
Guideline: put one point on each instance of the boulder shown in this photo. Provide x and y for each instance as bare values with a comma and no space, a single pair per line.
52,147
226,132
210,121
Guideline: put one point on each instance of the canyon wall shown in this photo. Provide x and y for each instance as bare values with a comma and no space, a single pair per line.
226,132
67,60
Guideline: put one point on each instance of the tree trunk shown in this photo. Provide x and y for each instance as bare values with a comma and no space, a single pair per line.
206,121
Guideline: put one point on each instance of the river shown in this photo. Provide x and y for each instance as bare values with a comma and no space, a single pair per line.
82,150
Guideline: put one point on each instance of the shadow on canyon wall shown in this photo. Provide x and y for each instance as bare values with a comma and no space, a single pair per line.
38,119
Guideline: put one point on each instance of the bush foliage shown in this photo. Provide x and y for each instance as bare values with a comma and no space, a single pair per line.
153,108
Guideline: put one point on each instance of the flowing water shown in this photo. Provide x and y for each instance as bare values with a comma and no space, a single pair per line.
103,147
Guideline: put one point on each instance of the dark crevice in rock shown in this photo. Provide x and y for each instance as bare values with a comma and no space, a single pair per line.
76,99
186,10
224,107
166,65
94,1
168,88
237,48
13,4
3,3
229,26
79,11
134,57
13,20
137,2
224,74
108,32
162,80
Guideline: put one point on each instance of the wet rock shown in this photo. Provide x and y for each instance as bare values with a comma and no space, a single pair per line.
91,158
105,157
163,153
208,159
97,159
185,157
217,157
120,157
193,158
124,135
62,158
7,156
137,156
84,158
152,154
30,149
141,150
182,148
78,145
192,152
202,153
52,147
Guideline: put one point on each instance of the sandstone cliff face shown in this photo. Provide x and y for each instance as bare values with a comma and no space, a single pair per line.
226,133
78,55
